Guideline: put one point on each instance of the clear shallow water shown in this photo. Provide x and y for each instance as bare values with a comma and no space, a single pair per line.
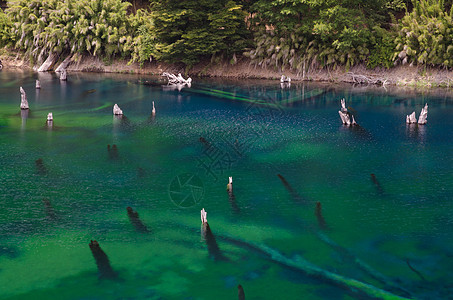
396,237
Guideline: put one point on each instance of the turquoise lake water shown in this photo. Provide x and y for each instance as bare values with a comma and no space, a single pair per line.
382,236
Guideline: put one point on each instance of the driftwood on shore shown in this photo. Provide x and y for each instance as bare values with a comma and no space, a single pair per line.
177,79
370,79
285,79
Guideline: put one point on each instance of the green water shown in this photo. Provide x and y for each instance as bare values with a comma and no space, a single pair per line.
396,238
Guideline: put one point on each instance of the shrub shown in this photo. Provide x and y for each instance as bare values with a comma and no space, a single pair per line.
99,27
297,33
425,35
5,29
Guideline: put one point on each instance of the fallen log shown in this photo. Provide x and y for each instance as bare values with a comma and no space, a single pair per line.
354,286
362,79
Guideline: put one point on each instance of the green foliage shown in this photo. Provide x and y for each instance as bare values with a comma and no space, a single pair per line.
279,51
186,31
5,29
396,5
293,33
383,46
100,27
142,41
426,35
342,36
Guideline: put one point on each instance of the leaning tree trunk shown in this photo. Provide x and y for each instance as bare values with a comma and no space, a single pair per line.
64,64
50,61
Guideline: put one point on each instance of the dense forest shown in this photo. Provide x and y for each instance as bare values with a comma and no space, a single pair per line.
281,34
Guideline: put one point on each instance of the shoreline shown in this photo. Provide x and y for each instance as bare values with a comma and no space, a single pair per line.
405,76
